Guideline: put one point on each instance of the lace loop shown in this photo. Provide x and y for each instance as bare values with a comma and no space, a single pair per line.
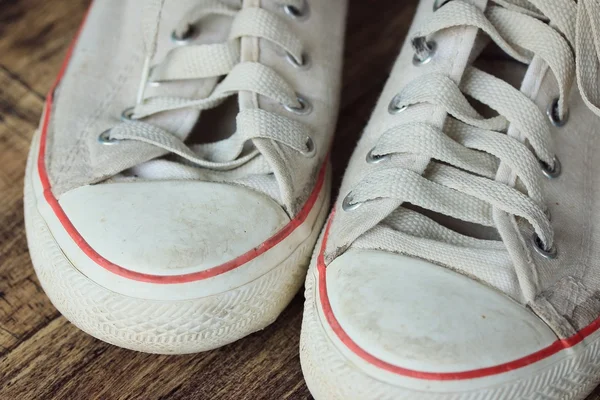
211,61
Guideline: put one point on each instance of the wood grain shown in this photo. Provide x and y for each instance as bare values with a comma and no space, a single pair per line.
42,356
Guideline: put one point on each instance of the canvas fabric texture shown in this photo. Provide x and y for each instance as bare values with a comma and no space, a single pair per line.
103,79
505,193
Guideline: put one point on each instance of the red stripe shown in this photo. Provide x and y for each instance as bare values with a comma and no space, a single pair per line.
138,276
552,349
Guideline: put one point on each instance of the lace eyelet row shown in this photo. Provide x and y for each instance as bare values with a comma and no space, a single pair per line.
427,50
550,171
305,108
299,14
191,33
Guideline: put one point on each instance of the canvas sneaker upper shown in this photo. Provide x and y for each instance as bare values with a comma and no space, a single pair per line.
480,158
185,134
179,179
141,78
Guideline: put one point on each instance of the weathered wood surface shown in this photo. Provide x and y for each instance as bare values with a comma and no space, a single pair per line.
42,356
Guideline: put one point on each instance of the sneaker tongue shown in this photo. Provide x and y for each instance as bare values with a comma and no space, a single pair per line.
479,45
180,122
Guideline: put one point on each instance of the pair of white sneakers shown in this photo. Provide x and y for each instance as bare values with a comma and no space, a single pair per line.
179,181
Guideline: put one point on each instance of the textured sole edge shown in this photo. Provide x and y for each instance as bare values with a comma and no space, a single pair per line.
163,327
330,375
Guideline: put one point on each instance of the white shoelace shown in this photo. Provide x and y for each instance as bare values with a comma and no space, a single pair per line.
189,62
472,151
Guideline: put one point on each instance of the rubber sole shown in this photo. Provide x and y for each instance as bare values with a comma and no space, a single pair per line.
331,375
164,327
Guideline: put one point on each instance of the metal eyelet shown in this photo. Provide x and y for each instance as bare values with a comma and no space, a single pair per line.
297,13
190,33
552,112
549,253
303,63
437,4
348,205
105,139
393,106
373,159
127,114
305,106
430,48
311,148
551,171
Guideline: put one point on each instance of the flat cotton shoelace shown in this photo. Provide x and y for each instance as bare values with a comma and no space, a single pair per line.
474,154
191,62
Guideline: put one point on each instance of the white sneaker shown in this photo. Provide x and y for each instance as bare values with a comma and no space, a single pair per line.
462,259
180,229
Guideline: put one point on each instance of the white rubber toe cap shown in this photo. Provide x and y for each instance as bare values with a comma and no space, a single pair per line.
423,317
171,227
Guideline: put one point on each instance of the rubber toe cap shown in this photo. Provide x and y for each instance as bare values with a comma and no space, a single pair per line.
171,227
423,317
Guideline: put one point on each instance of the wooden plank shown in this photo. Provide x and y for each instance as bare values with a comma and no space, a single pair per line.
34,35
24,307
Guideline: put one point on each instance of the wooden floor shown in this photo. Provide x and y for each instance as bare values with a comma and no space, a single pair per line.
42,356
